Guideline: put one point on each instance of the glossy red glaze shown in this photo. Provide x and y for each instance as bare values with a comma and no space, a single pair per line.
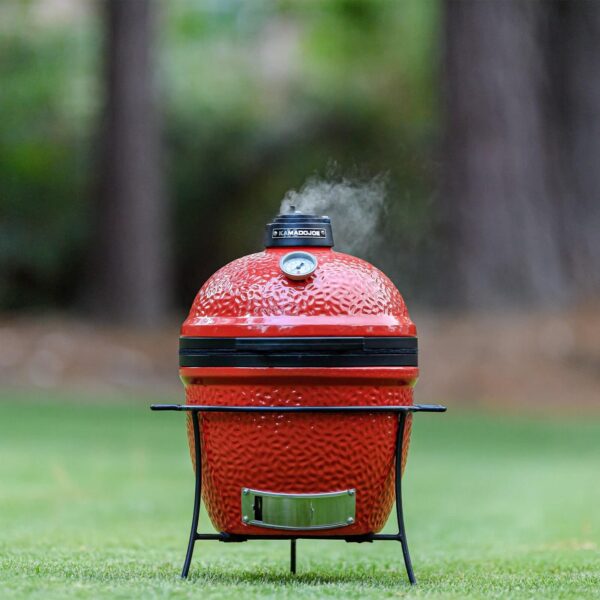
251,297
298,453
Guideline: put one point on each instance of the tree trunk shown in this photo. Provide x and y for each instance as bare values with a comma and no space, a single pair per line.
502,192
581,82
131,280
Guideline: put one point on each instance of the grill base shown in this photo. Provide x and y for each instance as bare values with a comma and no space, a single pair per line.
401,411
299,452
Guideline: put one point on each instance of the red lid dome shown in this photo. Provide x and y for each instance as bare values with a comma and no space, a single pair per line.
252,296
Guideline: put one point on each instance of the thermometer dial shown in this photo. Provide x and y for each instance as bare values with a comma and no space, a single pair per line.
298,265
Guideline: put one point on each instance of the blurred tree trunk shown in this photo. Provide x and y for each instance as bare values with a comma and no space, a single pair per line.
499,189
131,275
581,83
522,137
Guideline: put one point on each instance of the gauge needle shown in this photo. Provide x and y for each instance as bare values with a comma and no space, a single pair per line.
300,266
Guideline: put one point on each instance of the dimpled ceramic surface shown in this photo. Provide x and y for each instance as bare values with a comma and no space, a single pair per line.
344,296
299,453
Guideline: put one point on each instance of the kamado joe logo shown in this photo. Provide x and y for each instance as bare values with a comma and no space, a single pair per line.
298,233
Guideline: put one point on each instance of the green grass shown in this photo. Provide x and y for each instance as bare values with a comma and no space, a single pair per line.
95,502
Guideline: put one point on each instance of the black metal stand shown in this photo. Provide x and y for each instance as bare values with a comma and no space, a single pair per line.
401,411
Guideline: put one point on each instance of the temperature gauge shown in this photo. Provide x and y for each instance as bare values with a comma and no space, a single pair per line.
298,265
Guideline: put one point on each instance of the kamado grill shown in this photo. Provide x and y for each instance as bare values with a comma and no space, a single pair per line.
298,364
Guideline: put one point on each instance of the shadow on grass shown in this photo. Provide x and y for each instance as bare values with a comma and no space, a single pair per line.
313,578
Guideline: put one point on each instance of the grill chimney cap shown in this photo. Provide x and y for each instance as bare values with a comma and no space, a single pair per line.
294,228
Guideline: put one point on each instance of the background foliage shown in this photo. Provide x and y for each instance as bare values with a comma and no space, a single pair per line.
254,99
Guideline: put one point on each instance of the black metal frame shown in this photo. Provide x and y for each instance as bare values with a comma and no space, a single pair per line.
401,411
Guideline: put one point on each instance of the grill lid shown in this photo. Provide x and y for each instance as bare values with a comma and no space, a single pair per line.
310,291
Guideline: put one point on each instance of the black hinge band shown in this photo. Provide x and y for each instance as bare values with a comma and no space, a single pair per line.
299,352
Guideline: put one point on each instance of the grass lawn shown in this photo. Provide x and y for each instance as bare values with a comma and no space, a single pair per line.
95,502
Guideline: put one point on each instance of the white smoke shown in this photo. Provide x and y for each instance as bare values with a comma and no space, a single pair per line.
355,206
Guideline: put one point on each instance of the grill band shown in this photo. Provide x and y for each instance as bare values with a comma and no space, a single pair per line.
298,352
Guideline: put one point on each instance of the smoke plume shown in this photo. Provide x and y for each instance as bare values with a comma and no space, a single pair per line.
355,206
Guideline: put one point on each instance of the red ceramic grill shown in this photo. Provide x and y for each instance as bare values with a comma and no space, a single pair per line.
299,364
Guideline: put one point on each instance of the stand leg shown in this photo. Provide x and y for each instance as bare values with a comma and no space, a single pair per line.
197,497
399,511
293,556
